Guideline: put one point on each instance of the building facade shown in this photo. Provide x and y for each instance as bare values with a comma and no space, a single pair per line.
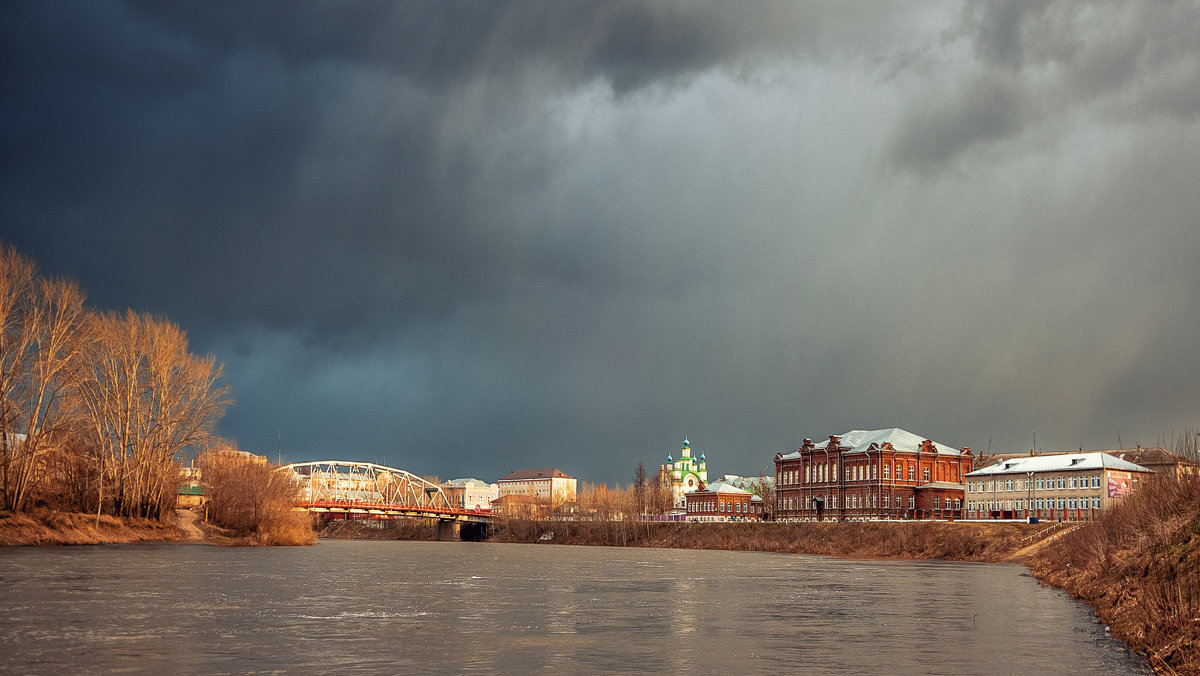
686,474
470,493
549,485
871,474
1063,487
723,502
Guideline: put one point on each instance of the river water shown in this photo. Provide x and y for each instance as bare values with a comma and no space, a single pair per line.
434,607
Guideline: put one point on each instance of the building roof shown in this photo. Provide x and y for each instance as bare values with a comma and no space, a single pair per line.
528,474
1057,463
942,484
725,489
745,481
859,441
468,483
1149,457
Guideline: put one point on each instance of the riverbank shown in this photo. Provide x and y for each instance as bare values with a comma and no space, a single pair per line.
951,541
48,527
1139,567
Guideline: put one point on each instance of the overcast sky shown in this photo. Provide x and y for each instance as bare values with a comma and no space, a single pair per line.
462,238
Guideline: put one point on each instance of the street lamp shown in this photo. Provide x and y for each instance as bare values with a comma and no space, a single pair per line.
1029,493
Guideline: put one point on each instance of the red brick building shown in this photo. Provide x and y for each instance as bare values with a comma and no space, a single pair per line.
721,502
871,474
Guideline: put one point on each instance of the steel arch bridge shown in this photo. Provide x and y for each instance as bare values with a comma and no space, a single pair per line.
349,487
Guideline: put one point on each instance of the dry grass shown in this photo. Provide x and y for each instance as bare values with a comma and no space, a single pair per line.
923,540
1139,566
49,527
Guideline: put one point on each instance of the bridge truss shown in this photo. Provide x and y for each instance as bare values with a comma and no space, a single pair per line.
341,486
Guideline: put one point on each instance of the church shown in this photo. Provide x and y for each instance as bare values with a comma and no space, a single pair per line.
687,474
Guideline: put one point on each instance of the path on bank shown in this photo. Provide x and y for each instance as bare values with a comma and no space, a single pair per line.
187,523
1025,553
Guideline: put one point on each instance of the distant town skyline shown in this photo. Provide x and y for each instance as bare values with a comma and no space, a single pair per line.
464,239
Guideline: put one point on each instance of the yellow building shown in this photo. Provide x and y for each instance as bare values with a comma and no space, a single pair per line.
550,485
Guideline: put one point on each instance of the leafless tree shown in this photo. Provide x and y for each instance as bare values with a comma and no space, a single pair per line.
1186,444
250,496
147,400
43,324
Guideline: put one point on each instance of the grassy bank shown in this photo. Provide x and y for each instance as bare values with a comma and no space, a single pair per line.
1139,567
47,527
917,540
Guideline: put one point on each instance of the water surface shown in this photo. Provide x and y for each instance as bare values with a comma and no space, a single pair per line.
432,607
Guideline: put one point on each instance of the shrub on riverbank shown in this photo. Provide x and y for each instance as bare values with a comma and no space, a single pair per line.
1139,567
49,527
913,540
252,499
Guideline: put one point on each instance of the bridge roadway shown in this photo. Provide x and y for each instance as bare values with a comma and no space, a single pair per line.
386,510
346,488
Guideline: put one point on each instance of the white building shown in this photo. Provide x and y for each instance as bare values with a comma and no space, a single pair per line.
550,485
686,474
470,493
1069,486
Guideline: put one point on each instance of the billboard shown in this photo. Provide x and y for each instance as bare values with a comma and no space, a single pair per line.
1120,484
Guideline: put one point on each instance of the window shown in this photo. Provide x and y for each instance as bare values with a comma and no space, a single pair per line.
1020,505
925,474
1062,483
1062,503
899,471
1019,484
1096,482
886,499
1096,502
885,471
874,472
1041,484
947,503
912,501
912,472
957,503
1041,503
1071,482
1073,504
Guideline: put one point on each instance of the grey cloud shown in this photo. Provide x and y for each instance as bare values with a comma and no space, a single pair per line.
1039,66
474,237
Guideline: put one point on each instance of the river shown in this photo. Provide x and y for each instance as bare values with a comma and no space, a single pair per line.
434,607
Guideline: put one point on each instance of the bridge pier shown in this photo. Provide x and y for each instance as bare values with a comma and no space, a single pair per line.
449,531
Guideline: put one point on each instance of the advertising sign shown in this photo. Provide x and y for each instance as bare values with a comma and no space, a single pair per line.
1120,484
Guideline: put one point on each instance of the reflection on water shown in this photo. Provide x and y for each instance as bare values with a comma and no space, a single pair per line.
453,607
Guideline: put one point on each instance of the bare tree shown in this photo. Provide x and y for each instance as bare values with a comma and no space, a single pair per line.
1186,444
252,497
43,323
639,488
147,400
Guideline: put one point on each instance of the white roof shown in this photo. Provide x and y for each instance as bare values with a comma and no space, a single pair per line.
860,440
726,489
468,483
1056,463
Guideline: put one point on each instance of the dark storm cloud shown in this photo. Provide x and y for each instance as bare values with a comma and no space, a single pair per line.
468,237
